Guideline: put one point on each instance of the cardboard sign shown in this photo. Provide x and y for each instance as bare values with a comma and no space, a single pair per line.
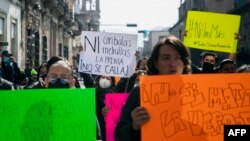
212,31
194,107
108,54
115,102
48,115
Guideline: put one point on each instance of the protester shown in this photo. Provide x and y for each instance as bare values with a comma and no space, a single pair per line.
41,74
30,73
88,80
134,80
142,64
208,61
60,75
22,81
10,69
104,85
122,84
227,66
169,57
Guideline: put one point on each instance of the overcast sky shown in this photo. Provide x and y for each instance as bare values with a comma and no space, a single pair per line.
147,14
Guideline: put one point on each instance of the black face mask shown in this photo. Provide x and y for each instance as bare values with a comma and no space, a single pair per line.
208,67
59,83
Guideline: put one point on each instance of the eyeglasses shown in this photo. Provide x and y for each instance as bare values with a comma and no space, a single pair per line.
64,78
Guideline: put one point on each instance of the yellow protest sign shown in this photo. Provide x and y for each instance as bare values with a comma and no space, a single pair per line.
194,107
211,31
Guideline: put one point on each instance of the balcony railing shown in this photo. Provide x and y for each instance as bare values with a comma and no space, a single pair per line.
56,5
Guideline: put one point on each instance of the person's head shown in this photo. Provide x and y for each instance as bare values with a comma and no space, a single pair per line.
227,66
52,61
59,75
105,82
208,61
5,53
6,57
77,83
169,56
28,66
42,70
134,79
208,57
243,69
142,64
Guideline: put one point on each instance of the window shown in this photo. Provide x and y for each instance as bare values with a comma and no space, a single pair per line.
93,5
1,26
44,50
13,38
80,3
30,45
37,49
1,29
87,5
66,52
60,50
13,30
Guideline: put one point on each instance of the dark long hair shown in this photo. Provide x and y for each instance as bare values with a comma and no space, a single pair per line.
139,62
180,48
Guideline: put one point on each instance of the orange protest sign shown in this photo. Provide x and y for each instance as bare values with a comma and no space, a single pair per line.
194,107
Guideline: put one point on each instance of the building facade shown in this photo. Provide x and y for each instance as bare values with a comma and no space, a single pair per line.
36,30
153,38
46,30
10,27
243,52
220,6
87,16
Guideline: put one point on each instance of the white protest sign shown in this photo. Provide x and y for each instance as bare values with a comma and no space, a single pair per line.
109,54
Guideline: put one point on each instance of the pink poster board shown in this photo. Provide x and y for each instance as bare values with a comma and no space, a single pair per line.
115,101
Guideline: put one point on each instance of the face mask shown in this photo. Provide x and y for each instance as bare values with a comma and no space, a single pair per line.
58,83
6,60
104,83
208,67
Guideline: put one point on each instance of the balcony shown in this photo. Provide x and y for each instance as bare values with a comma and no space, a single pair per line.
57,6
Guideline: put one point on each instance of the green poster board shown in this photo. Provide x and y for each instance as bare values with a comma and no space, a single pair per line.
48,115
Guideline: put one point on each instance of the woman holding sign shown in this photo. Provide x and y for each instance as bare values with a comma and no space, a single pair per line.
104,85
169,56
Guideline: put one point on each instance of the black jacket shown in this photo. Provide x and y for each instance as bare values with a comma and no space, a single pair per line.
124,130
121,84
100,103
10,73
88,80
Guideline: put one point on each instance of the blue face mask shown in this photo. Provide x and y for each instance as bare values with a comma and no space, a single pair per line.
6,60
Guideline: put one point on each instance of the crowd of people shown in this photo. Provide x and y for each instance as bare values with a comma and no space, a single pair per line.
169,56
